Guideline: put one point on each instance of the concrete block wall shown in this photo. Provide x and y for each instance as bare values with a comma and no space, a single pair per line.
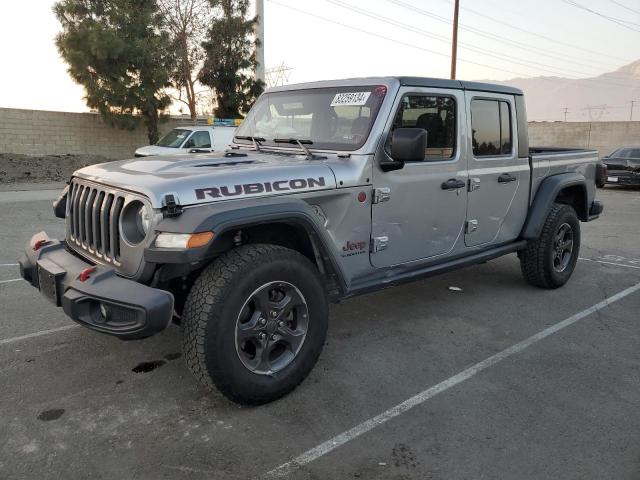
602,136
37,132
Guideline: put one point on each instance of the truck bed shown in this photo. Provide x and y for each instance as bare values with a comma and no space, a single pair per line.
546,161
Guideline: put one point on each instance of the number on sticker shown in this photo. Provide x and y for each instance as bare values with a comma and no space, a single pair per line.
349,99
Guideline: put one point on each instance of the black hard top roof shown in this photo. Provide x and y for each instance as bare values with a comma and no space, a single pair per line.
458,84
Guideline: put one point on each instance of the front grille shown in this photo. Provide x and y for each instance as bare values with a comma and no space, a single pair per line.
93,218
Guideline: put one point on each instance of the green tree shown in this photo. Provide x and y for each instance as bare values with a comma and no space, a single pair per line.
230,58
117,51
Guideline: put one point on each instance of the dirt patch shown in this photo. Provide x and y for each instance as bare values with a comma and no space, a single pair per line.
17,168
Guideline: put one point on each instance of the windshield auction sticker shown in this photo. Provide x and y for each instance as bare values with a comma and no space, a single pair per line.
355,99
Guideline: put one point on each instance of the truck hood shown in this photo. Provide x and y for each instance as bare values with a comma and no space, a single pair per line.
151,150
628,164
205,178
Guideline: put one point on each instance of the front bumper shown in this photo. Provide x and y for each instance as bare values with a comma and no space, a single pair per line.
104,301
622,177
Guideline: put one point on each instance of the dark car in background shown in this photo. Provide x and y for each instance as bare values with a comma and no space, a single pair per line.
622,167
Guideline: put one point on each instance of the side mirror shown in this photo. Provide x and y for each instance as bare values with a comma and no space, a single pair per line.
189,144
408,144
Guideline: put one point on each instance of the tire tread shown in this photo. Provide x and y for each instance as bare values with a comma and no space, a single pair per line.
202,307
534,256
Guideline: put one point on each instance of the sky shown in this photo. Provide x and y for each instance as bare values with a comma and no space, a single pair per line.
328,39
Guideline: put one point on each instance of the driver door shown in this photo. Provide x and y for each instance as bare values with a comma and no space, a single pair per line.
420,210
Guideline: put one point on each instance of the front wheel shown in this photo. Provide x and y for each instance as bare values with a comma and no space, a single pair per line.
255,323
549,260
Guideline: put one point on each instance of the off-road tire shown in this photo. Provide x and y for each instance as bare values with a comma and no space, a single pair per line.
211,312
536,261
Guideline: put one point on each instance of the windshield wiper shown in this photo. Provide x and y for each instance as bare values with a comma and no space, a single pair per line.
301,144
256,140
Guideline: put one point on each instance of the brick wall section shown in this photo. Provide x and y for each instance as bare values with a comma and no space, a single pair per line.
602,136
37,132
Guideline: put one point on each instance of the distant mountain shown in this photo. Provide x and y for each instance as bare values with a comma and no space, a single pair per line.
606,97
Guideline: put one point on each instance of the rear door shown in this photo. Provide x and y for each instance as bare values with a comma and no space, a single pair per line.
498,179
421,212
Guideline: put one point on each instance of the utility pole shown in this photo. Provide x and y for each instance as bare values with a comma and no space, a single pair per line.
454,43
633,102
260,37
565,113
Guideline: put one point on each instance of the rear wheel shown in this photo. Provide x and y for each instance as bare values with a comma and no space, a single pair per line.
255,323
549,260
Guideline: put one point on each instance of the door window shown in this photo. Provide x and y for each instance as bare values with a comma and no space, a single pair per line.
436,115
491,126
199,140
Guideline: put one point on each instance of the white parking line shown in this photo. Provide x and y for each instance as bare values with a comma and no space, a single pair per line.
8,264
36,334
12,280
609,263
309,456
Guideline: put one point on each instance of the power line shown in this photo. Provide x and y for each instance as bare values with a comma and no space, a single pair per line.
623,23
517,60
383,37
491,36
620,4
536,34
411,45
512,59
277,76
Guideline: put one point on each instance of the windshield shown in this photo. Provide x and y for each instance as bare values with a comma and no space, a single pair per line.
174,138
626,153
336,118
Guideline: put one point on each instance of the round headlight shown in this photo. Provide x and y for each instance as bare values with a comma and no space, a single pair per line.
144,220
135,222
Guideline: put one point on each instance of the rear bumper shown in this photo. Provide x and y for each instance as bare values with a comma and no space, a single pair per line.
132,310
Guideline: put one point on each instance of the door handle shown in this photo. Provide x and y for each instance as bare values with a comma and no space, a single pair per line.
453,184
506,178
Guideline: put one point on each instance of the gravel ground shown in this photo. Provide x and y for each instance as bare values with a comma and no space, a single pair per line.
17,168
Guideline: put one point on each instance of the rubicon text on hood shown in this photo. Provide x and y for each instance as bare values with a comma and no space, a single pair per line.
255,188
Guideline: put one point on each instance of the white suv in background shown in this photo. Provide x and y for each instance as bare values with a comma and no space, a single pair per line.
188,138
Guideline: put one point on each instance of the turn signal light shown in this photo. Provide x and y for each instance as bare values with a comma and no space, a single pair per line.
183,240
199,239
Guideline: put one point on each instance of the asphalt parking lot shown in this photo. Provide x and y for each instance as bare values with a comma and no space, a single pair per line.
563,404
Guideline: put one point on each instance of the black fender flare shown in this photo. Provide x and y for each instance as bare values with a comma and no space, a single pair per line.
546,195
222,217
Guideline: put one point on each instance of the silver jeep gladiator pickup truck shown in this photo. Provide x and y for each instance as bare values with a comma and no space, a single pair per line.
330,190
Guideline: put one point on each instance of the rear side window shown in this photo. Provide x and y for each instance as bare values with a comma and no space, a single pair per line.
491,125
436,115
